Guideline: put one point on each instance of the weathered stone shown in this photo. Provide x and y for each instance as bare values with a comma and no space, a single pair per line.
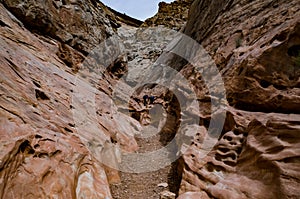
172,15
45,152
256,55
164,185
257,59
194,195
71,22
167,195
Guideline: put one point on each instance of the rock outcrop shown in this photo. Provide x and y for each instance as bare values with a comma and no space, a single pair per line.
255,45
172,15
45,151
71,22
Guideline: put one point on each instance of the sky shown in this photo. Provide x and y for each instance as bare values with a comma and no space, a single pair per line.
139,9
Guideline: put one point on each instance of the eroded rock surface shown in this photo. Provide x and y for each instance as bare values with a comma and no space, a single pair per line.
255,46
172,15
45,151
80,24
60,119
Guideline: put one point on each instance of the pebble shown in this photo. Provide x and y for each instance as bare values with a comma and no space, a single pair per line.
164,185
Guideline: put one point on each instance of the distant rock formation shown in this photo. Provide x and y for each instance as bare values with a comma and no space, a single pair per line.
172,15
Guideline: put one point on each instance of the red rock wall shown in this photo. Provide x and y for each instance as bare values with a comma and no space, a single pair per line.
255,45
43,152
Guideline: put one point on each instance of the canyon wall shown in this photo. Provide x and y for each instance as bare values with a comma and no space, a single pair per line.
52,144
43,151
255,45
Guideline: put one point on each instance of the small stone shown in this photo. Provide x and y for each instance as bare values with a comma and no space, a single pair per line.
167,195
164,185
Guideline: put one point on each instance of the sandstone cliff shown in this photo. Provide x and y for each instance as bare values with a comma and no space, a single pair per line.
43,151
255,45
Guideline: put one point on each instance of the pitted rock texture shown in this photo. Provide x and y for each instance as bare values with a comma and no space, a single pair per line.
257,160
271,154
172,15
255,45
80,24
